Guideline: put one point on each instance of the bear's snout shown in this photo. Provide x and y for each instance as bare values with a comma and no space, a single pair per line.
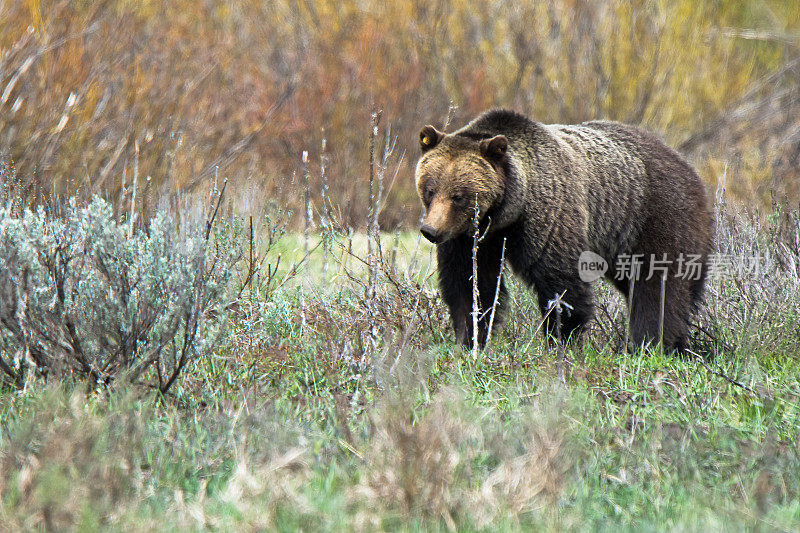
430,233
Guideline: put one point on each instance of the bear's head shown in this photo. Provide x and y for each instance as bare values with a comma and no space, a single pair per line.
454,174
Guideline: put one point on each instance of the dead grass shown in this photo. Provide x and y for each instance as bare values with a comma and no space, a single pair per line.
69,463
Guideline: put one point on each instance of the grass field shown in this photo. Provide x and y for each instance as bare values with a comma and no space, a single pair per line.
317,410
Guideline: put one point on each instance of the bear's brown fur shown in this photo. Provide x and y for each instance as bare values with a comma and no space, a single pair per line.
552,192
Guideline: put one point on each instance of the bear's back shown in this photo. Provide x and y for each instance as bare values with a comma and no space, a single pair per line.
608,180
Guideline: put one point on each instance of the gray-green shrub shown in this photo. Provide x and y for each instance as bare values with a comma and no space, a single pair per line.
83,295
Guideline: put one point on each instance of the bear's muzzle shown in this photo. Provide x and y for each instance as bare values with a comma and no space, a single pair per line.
430,233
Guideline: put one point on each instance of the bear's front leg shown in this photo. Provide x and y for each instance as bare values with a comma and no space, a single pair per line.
454,259
575,315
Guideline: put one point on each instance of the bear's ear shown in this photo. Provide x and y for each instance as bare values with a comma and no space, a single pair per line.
494,149
429,137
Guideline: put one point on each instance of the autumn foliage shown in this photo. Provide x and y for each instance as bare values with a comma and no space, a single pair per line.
173,95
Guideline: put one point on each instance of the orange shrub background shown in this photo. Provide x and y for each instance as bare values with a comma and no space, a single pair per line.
93,93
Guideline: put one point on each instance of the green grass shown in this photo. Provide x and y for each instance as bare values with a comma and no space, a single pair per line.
281,429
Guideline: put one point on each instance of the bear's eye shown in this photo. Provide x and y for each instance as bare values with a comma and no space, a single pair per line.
428,194
460,198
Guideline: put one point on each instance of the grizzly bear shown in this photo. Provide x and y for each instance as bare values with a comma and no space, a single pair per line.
552,196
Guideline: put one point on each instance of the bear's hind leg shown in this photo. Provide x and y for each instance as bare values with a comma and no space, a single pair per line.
646,312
